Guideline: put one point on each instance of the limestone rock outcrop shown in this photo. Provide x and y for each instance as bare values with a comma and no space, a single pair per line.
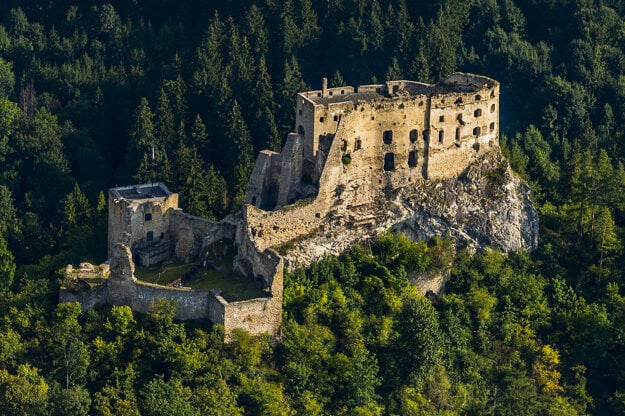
487,205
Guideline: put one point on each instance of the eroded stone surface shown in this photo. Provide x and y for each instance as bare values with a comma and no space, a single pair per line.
487,205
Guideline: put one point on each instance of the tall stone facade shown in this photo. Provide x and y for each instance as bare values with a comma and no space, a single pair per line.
391,134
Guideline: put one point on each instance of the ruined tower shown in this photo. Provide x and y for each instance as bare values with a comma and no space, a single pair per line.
393,133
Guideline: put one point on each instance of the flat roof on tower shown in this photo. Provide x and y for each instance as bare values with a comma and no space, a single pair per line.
143,191
455,83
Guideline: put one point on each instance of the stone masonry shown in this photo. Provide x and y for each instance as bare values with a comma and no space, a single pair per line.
423,159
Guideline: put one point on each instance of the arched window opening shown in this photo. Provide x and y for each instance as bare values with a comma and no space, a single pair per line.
477,131
492,127
414,134
492,108
457,134
412,158
477,112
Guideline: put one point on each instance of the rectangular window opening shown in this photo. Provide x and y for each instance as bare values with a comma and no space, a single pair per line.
387,136
389,162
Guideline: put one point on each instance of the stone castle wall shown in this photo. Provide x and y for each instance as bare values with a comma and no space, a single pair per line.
353,152
368,143
122,288
190,234
134,221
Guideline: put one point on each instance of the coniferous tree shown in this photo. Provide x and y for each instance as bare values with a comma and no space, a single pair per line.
199,138
8,212
238,134
393,72
263,125
256,31
164,128
7,265
337,79
142,137
292,84
177,90
7,78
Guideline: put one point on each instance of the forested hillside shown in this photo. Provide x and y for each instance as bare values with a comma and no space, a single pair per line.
88,90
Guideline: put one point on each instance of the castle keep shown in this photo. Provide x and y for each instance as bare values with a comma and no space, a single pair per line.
356,145
392,133
361,160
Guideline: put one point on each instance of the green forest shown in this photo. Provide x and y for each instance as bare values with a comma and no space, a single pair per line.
89,89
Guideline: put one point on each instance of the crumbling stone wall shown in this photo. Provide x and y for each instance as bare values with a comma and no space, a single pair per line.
122,288
262,187
409,128
133,221
353,153
189,234
382,139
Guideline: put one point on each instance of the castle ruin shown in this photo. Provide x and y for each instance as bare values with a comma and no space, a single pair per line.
402,155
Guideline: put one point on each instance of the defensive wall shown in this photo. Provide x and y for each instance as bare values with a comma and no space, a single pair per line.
353,149
146,221
367,142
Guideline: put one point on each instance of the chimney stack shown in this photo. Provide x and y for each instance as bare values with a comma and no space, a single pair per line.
324,87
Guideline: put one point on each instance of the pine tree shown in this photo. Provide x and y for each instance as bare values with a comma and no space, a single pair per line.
177,90
77,209
337,79
393,72
263,126
199,137
257,32
291,34
198,193
145,170
208,77
8,213
142,139
292,84
239,135
164,123
7,265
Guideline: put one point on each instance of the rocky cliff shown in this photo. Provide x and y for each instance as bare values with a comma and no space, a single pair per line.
486,205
